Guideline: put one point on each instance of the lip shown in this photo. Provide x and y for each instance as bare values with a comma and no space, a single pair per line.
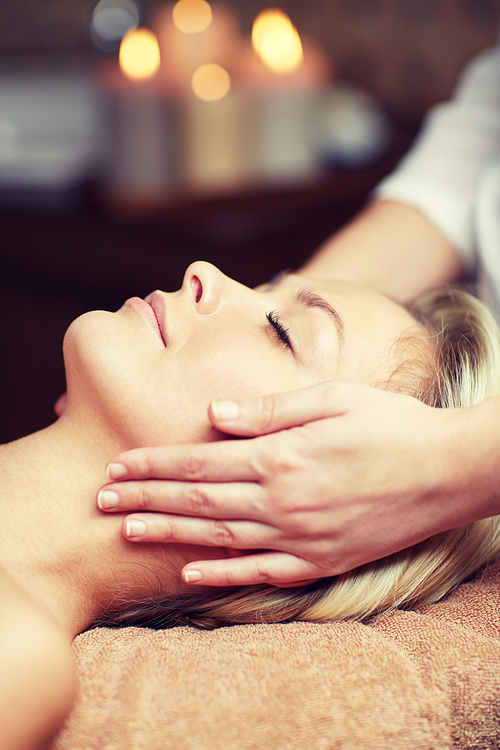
156,301
148,313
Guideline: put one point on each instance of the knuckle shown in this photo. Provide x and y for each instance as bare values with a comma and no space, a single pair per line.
279,463
289,502
146,467
265,416
283,460
292,524
193,466
168,531
222,534
260,575
197,501
143,497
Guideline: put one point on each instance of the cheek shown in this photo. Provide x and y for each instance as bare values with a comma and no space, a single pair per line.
175,403
169,402
152,397
166,400
237,371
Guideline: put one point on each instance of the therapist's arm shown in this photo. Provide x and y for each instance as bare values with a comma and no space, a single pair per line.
403,243
390,247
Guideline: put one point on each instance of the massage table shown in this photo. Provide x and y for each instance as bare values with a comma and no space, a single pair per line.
426,679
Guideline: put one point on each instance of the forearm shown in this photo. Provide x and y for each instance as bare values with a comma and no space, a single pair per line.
421,224
390,247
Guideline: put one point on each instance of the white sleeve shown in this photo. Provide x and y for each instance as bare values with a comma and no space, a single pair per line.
459,138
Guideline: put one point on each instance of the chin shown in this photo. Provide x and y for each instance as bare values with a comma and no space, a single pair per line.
85,338
92,366
111,390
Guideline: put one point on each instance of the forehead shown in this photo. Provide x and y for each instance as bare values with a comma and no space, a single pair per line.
358,303
376,330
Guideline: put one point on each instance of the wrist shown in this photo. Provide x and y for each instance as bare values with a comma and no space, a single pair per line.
471,469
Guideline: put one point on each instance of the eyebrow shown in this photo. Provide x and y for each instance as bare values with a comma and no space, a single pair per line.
309,299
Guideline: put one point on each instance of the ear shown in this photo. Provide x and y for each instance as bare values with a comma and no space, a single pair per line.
60,404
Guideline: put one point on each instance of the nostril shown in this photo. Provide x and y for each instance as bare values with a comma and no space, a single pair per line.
197,288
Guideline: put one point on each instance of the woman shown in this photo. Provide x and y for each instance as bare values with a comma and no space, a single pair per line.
435,216
66,566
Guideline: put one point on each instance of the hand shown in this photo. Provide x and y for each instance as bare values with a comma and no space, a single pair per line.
347,474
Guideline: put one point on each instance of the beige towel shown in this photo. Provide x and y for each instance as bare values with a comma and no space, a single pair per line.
422,680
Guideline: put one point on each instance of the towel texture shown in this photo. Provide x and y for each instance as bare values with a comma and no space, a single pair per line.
428,679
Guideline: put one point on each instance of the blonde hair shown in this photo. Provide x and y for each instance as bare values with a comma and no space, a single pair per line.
465,370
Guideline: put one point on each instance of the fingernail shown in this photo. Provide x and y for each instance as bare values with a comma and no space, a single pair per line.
116,471
106,500
193,576
225,411
135,528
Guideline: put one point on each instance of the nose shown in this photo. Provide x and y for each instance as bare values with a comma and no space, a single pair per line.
204,284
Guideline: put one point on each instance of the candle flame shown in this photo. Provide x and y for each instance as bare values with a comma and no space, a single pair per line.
211,82
139,54
192,16
277,41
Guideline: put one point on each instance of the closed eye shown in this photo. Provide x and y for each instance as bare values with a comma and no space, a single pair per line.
279,331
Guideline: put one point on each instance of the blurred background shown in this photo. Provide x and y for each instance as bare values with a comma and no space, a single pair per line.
136,137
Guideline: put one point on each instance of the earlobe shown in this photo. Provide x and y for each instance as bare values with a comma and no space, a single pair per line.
60,404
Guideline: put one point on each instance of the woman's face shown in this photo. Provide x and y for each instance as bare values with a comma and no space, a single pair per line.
149,371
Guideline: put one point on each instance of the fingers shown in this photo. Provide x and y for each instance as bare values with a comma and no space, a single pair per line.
208,532
275,568
261,415
208,462
226,462
236,500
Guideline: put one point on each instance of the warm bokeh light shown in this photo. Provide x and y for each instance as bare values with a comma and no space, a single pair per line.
277,41
139,54
265,23
211,82
192,16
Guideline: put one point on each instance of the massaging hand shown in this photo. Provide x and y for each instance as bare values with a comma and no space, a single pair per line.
347,474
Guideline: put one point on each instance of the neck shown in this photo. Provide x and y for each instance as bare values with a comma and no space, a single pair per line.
68,556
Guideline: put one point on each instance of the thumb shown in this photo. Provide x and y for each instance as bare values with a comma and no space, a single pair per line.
260,415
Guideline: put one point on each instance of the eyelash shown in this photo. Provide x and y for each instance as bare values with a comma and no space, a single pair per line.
279,330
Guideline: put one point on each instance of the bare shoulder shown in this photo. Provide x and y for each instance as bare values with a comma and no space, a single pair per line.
37,671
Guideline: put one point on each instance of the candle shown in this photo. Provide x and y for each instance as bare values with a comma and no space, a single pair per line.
193,33
199,43
215,125
144,119
284,75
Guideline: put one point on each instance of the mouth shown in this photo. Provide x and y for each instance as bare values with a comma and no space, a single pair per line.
149,314
157,305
